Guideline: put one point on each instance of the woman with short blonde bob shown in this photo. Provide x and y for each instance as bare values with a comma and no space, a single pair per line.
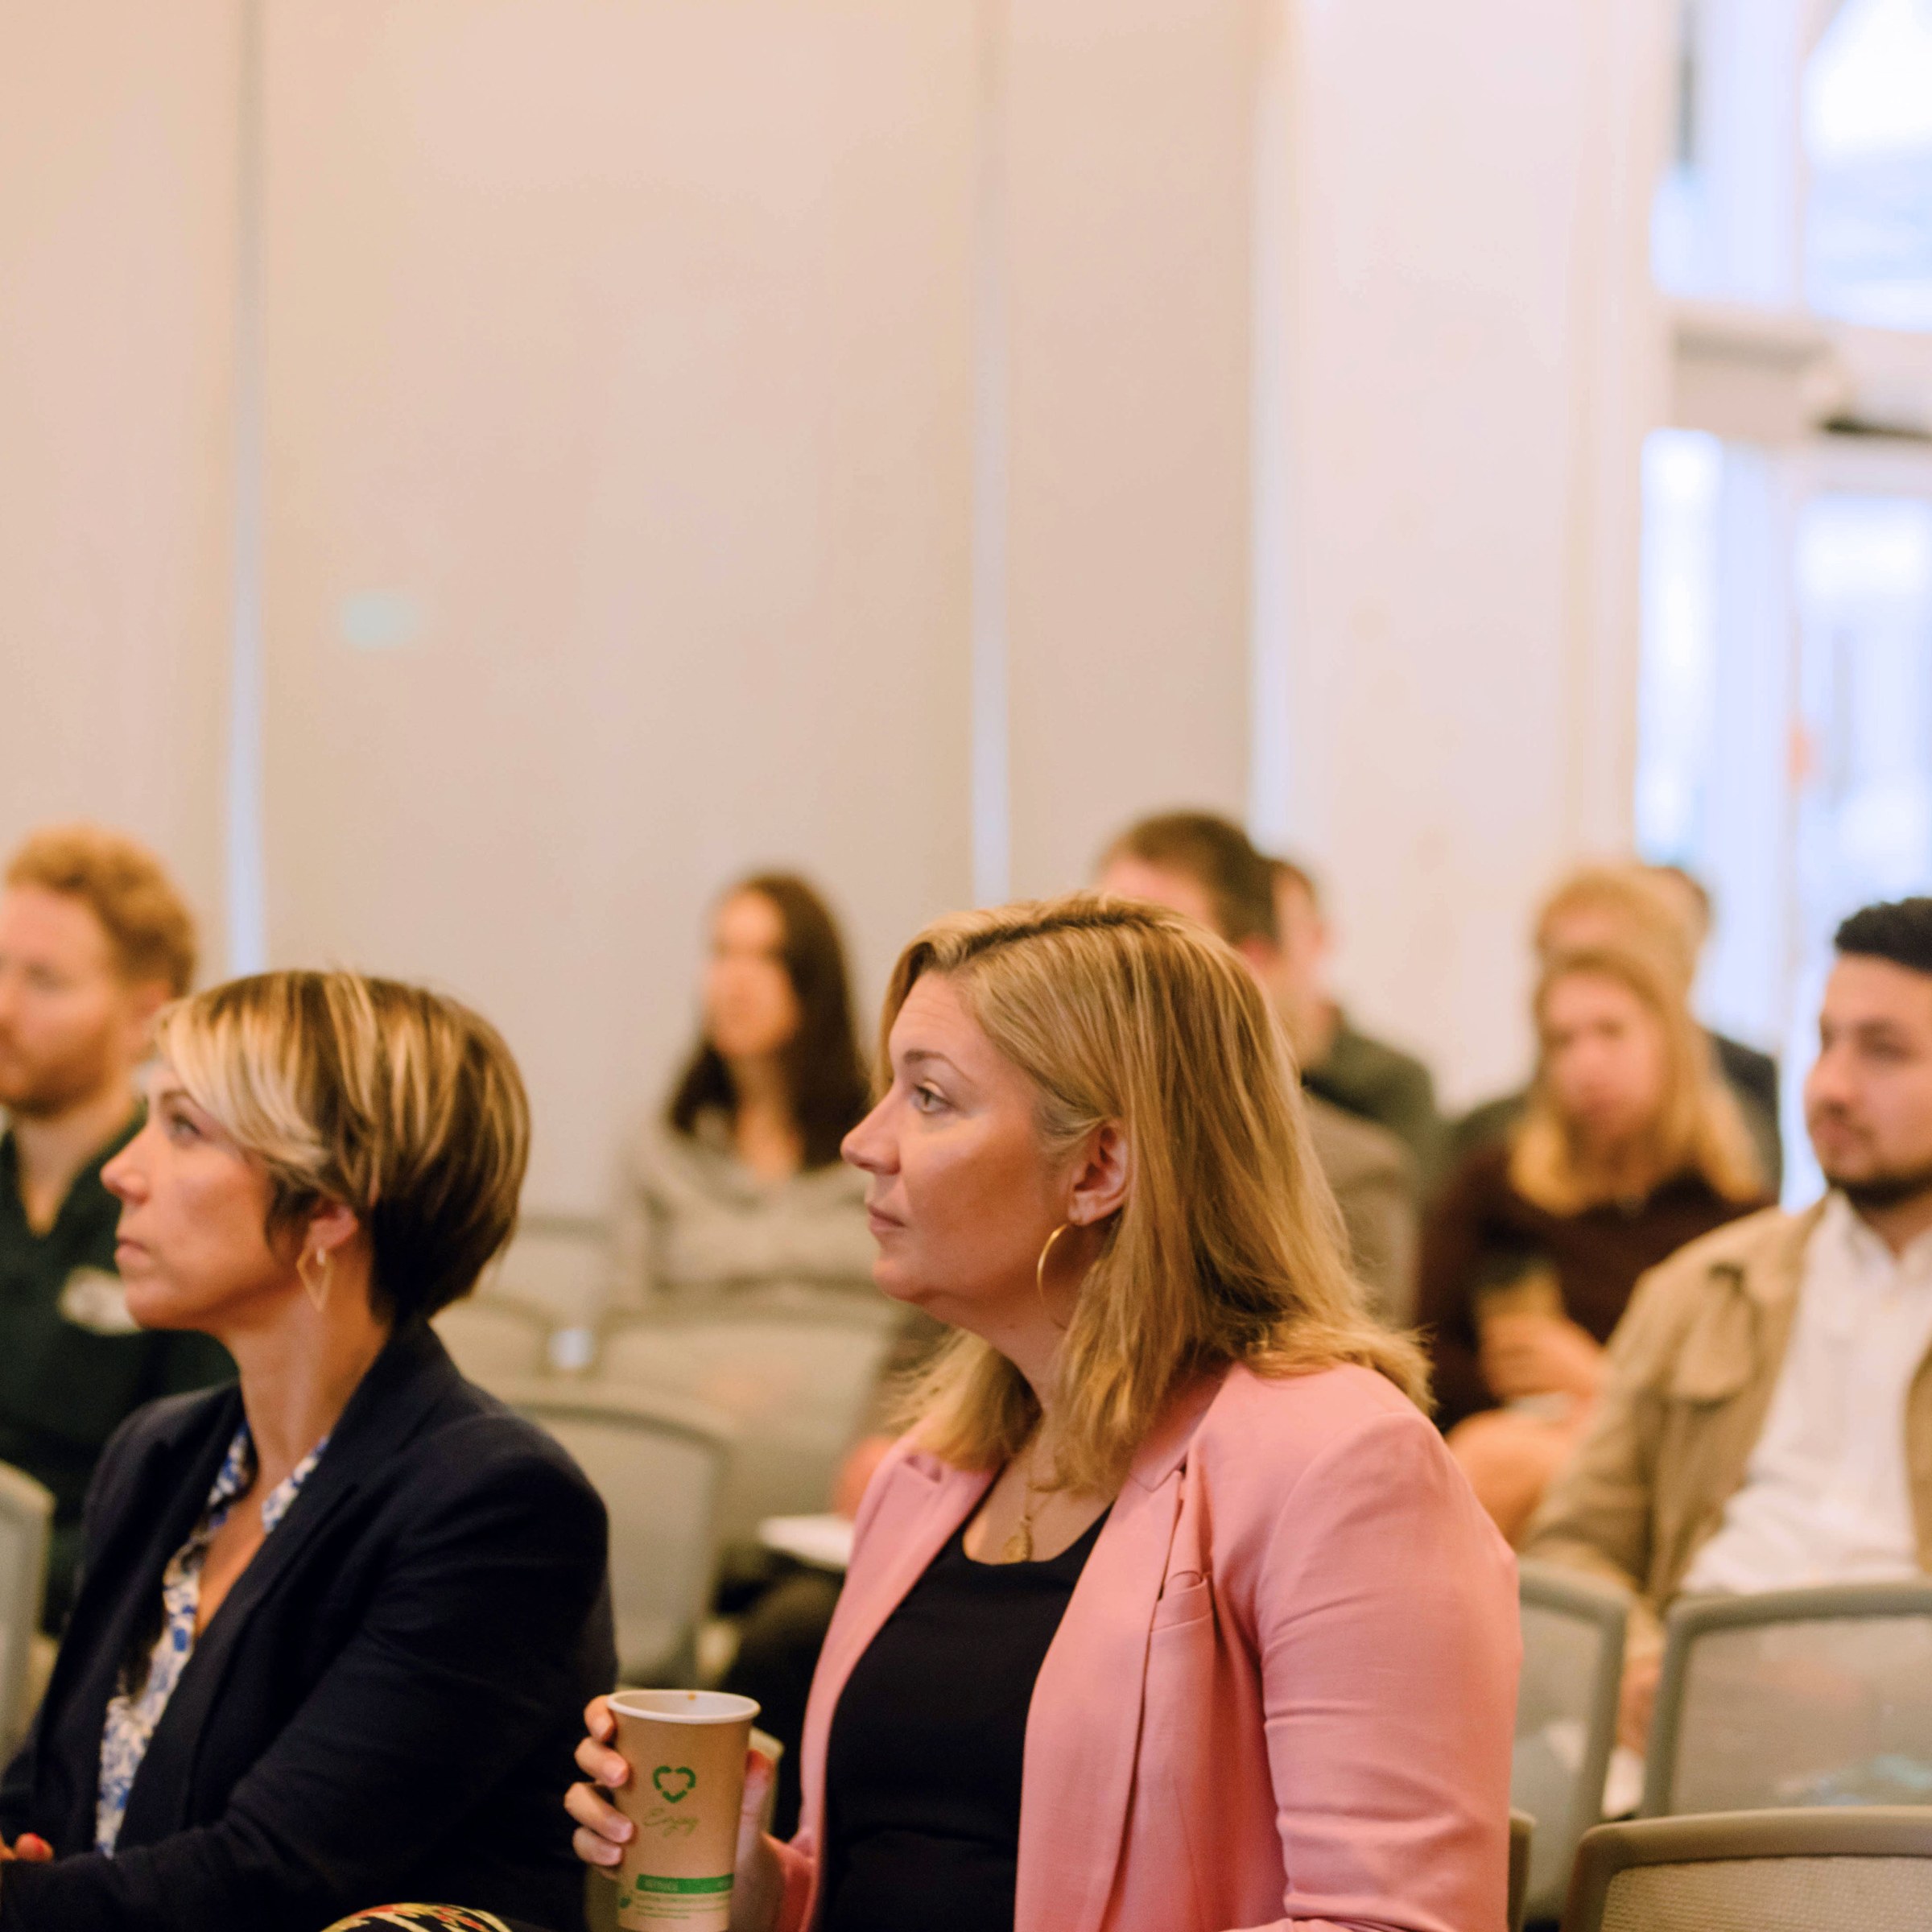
335,1621
1171,1613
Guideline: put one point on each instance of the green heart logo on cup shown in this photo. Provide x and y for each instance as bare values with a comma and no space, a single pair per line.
674,1785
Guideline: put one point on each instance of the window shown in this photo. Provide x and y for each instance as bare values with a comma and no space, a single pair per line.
1867,123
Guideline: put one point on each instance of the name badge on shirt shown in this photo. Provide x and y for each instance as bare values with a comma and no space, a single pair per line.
93,1298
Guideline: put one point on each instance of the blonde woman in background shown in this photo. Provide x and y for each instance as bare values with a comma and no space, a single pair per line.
335,1623
1171,1613
1630,1144
739,1185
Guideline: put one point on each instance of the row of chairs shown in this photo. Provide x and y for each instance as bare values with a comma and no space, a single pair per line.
697,1426
1783,1702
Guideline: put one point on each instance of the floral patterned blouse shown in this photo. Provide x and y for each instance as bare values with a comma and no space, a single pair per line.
133,1715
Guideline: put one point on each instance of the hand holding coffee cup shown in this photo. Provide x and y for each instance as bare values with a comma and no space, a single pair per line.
674,1812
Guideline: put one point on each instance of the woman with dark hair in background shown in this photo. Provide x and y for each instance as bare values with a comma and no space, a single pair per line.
740,1185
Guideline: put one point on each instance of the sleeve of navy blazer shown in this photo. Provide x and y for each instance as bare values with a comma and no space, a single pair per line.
468,1646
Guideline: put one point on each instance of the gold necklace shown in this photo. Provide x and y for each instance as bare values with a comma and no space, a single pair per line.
1019,1546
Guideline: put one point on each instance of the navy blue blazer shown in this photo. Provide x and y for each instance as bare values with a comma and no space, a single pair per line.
384,1708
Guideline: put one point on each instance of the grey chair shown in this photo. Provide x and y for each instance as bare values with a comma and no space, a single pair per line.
1566,1717
660,1464
1522,1842
26,1514
1809,1870
557,1263
1794,1697
496,1342
797,1374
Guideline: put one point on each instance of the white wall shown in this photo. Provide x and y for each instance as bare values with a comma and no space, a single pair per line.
625,353
117,169
1128,139
624,360
1471,363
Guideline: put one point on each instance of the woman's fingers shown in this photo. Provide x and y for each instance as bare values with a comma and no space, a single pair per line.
600,1720
588,1806
598,1853
759,1773
601,1766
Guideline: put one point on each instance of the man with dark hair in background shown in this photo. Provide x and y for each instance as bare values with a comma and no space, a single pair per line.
1348,1068
93,940
1204,867
1766,1423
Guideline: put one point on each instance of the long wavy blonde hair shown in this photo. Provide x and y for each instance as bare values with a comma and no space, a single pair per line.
1698,1128
1229,1247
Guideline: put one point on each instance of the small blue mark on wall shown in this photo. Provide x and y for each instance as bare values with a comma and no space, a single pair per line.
380,620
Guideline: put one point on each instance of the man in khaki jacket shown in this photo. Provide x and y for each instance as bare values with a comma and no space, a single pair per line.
1767,1420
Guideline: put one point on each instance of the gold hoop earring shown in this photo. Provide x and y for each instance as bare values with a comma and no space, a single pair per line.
317,1291
1039,1274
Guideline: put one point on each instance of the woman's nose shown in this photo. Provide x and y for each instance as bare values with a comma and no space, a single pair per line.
868,1146
121,1177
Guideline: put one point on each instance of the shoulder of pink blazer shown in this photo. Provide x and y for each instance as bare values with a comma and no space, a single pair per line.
1318,1448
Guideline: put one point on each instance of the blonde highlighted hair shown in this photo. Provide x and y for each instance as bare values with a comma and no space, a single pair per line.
399,1104
1229,1247
1698,1128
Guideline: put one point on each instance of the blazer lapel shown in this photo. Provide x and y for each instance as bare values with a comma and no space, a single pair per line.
388,1407
926,1502
1083,1727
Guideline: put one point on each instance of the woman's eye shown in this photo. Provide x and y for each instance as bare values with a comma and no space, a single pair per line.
928,1100
181,1128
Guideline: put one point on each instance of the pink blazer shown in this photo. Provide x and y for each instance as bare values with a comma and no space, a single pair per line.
1283,1691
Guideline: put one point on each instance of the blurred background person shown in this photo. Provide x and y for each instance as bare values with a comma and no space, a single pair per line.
93,940
1661,909
1630,1144
1205,868
740,1185
1753,1073
1766,1417
335,1624
1347,1067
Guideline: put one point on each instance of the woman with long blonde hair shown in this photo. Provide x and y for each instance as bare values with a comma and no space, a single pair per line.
1630,1144
1170,1613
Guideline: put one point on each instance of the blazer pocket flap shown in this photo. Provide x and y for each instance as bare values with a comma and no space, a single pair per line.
1719,1355
1186,1597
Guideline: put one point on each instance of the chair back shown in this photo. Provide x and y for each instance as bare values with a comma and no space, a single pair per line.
1794,1697
496,1342
798,1375
1522,1841
1566,1717
558,1264
660,1465
1808,1870
26,1514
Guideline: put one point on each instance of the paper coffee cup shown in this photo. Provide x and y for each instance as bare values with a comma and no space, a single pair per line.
685,1750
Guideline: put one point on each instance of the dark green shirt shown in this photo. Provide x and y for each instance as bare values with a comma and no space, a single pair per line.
73,1366
1378,1082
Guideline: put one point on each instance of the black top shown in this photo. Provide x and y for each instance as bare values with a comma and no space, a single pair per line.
1481,1234
73,1366
922,1768
384,1707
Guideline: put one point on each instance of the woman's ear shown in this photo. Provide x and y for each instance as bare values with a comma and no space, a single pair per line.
1100,1179
331,1227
